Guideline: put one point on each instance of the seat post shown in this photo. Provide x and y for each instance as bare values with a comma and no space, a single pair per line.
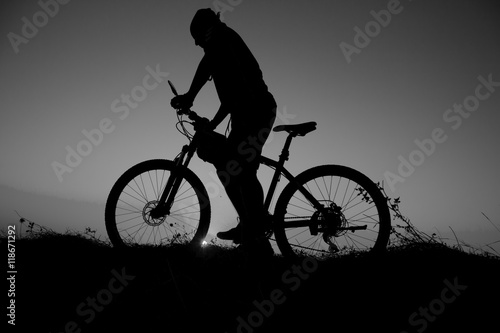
285,151
277,173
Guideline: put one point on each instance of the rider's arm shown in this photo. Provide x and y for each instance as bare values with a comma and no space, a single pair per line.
200,78
219,116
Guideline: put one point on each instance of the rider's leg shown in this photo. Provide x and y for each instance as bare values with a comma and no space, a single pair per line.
233,191
238,174
252,196
247,196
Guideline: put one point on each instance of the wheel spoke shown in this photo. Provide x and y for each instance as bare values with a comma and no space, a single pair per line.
136,198
349,200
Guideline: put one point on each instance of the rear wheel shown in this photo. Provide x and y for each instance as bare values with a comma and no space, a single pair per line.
137,192
354,215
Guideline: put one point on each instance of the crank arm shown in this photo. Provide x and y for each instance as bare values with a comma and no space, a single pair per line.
360,227
353,229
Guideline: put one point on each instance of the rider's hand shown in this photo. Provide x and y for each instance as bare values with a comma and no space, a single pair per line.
203,124
182,102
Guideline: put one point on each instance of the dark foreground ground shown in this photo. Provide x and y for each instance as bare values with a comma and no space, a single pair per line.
67,283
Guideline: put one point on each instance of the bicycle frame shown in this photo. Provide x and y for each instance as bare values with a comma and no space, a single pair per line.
280,169
184,158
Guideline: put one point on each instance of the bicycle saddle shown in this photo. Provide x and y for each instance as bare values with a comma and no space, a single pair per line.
297,129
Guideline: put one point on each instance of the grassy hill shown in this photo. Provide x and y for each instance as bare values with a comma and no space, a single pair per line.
72,283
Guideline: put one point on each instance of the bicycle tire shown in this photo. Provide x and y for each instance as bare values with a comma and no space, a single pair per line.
285,211
131,186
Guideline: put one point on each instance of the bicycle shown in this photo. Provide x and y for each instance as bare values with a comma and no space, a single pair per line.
327,209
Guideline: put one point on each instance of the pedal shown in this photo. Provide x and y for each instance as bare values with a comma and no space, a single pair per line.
360,227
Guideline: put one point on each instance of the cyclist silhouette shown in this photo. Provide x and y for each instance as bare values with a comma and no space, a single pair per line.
245,97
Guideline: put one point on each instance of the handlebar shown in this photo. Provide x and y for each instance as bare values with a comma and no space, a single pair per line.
191,114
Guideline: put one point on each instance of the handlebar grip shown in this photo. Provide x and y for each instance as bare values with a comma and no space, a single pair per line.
191,114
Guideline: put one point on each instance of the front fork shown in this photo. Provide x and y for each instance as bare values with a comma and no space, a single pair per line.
172,186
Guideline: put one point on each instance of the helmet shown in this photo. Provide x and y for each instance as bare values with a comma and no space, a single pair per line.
203,20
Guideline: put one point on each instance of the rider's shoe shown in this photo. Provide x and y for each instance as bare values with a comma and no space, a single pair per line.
237,235
234,234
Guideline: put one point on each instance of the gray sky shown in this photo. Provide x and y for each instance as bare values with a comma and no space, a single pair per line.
373,94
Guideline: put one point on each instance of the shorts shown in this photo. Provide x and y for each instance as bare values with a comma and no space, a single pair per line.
242,148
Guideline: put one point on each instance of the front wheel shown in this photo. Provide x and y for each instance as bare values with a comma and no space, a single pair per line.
137,192
351,213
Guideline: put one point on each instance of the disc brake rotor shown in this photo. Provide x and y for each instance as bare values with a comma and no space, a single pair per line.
146,214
